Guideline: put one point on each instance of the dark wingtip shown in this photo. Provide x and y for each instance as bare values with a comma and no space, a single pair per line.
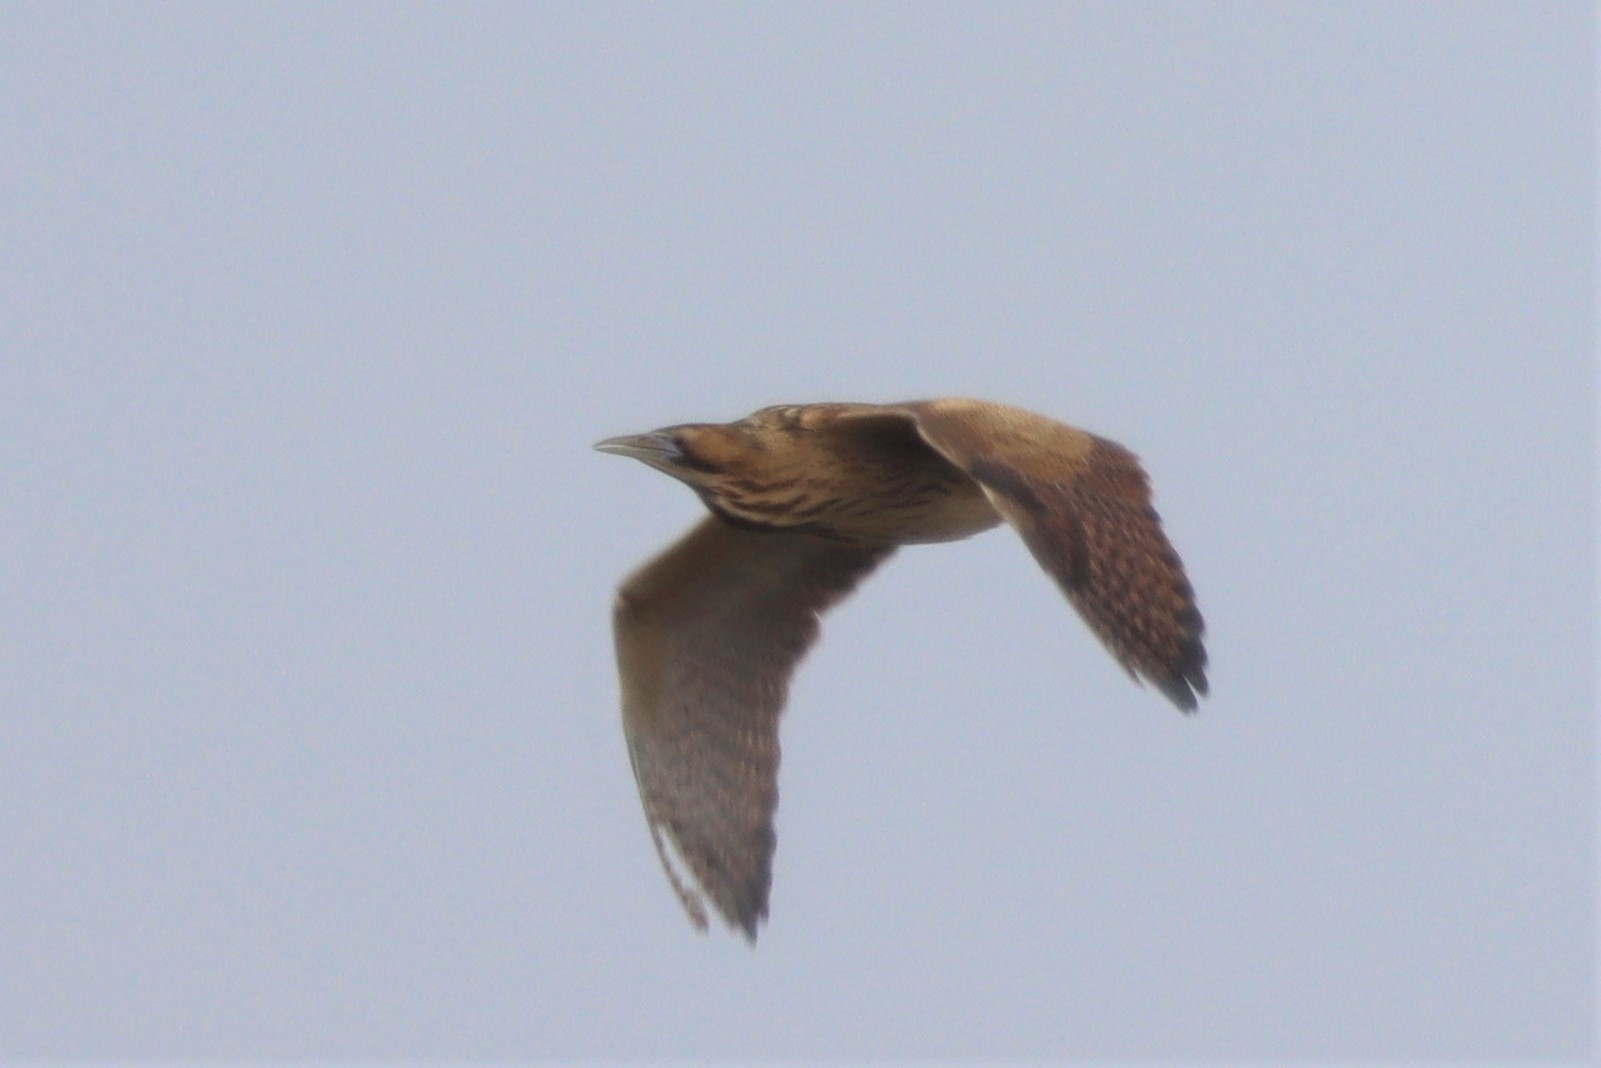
1178,691
1186,686
748,921
748,909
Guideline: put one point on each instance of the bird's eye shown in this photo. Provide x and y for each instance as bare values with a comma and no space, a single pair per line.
706,449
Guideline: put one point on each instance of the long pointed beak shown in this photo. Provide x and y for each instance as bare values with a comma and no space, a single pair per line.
654,448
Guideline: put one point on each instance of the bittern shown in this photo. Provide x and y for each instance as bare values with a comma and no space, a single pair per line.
805,501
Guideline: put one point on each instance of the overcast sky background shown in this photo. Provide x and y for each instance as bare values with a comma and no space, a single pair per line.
311,313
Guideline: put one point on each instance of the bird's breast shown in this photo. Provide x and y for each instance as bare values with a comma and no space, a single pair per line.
931,504
939,515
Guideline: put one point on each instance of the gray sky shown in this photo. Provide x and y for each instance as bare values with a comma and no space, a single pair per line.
309,743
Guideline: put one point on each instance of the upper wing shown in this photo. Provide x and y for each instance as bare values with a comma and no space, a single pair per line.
708,634
1083,506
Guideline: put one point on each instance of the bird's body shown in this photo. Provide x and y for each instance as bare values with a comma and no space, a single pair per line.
843,471
806,500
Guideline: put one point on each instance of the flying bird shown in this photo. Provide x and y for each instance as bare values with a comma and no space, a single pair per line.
805,501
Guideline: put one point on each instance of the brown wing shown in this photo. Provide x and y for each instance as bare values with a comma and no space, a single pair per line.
1083,506
708,634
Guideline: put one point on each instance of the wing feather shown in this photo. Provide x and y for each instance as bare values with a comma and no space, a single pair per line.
708,635
1082,504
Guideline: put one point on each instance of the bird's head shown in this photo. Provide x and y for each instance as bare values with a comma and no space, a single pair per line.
736,468
699,454
704,454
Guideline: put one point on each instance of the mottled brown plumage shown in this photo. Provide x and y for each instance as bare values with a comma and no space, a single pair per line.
806,501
